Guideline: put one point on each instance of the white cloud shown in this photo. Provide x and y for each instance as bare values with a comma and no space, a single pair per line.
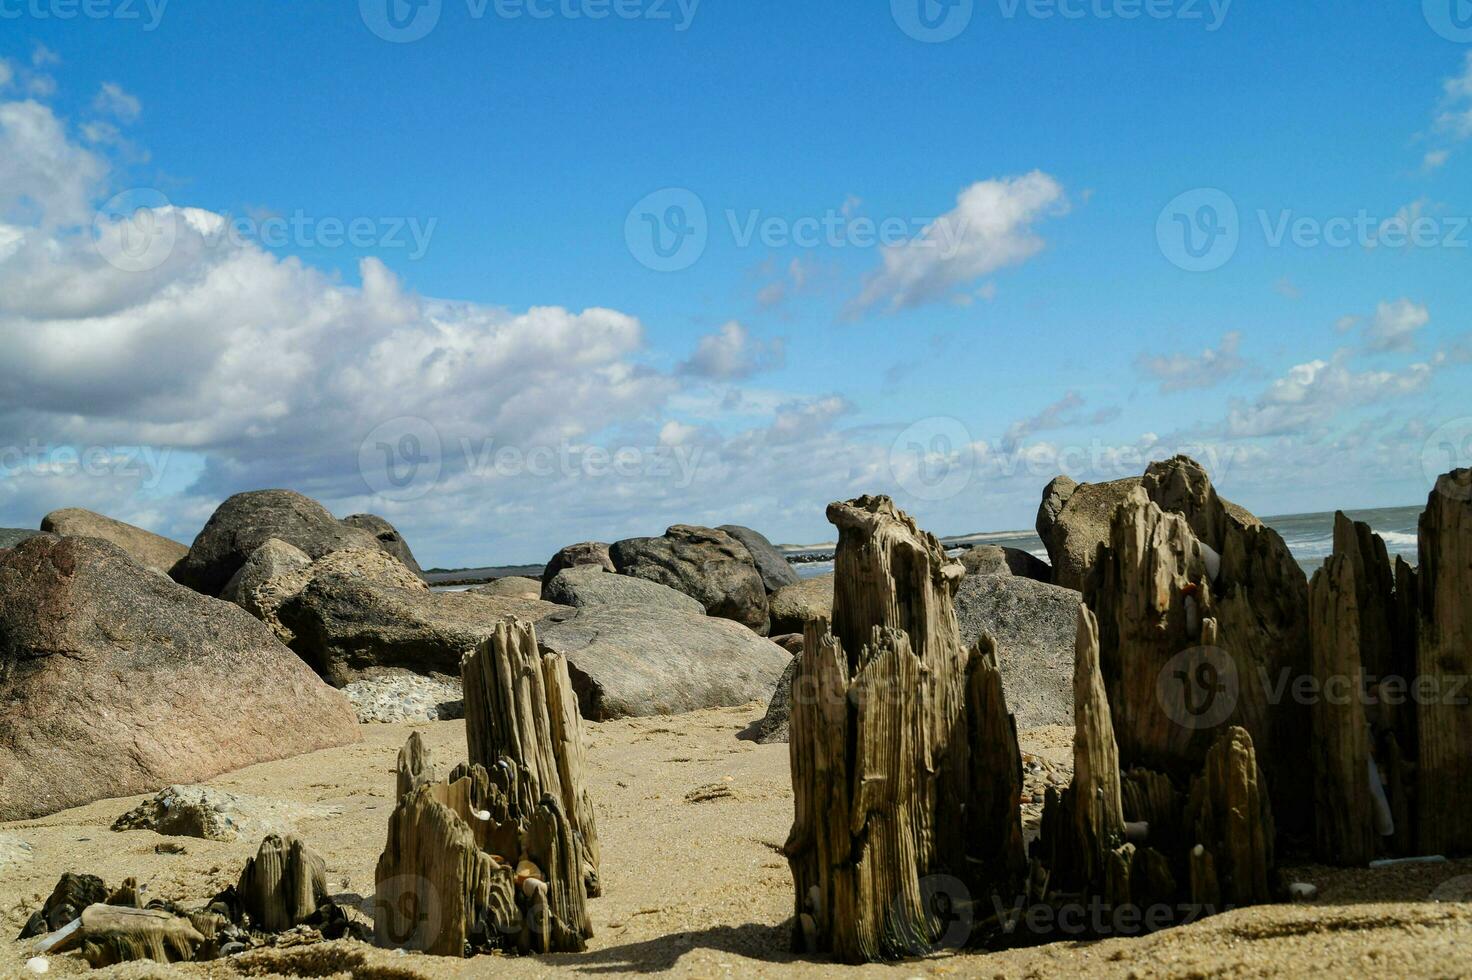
41,56
1310,395
1061,414
6,73
992,227
1435,160
1395,325
111,100
732,353
1183,372
44,177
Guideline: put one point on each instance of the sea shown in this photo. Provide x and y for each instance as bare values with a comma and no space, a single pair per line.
1310,538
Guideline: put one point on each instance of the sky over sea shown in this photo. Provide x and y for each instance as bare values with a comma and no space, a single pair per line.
518,273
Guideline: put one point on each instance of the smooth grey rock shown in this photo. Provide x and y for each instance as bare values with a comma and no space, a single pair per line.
990,559
115,681
575,555
706,564
248,520
345,626
268,578
590,586
776,571
1035,625
513,587
794,605
773,726
654,661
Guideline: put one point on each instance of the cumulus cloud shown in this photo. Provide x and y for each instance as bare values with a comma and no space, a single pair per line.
993,226
733,353
1311,394
1183,372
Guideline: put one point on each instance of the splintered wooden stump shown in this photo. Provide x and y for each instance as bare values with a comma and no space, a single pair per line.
520,711
1229,816
434,885
1098,806
1197,637
283,885
905,766
1445,664
111,935
503,855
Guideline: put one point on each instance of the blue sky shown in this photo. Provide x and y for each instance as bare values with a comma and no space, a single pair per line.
1039,323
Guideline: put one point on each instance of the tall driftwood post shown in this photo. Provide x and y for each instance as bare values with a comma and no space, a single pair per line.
1445,664
1098,807
905,768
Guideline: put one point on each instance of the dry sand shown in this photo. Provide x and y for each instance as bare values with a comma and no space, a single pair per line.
691,822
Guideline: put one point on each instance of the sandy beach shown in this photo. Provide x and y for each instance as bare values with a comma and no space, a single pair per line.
692,821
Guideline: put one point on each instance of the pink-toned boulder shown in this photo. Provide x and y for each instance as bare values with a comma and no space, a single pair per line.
116,681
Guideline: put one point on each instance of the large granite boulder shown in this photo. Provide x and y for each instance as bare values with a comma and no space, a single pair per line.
642,661
278,572
590,586
1035,626
776,571
148,549
248,520
12,536
793,606
706,564
350,626
115,681
575,555
990,559
389,538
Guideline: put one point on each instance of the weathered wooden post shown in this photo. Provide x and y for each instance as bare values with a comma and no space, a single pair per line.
905,764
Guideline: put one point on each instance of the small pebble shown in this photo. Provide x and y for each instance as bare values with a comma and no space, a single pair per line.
38,964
